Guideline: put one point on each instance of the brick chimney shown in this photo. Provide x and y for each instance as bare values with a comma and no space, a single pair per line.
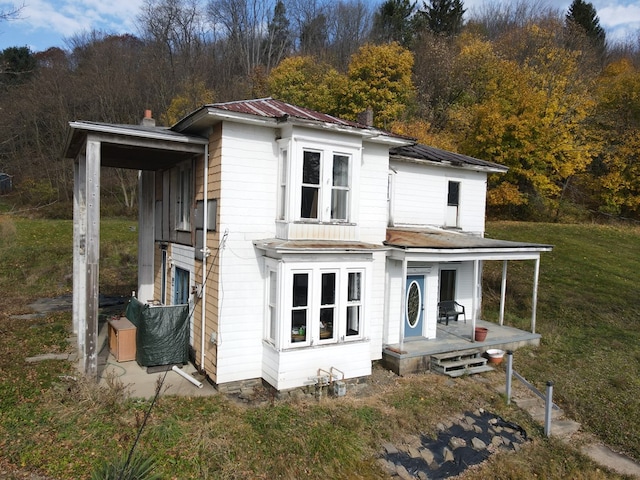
148,120
366,117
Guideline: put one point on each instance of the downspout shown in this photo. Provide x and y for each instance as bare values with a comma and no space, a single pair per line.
205,254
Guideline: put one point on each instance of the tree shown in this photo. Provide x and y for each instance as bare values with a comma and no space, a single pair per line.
307,82
529,116
17,65
615,172
583,16
278,42
393,22
380,79
442,16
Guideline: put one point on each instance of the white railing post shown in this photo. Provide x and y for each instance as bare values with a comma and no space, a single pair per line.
548,405
509,375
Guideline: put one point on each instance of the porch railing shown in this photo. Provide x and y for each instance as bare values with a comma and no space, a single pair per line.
547,398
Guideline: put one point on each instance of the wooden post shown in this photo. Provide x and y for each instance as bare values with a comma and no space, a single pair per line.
146,235
92,256
79,308
534,302
503,290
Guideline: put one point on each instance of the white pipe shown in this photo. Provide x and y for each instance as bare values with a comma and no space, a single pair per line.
205,253
187,376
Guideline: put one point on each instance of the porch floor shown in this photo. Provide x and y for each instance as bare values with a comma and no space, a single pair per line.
413,355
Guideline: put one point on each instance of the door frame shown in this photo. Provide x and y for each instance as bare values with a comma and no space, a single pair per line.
418,329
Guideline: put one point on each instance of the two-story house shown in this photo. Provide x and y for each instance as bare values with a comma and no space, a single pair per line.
302,242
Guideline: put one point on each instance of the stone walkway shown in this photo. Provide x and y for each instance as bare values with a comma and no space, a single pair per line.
467,441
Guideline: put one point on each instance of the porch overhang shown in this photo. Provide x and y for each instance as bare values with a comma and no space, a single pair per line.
424,245
277,247
434,244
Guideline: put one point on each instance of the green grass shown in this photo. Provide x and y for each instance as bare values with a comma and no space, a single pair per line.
589,318
62,428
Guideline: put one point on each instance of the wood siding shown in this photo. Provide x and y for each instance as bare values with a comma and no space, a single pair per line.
420,196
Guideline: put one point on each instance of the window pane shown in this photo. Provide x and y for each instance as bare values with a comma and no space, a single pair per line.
326,323
454,194
354,287
300,289
339,204
311,168
353,320
328,289
273,288
272,323
309,207
340,171
298,325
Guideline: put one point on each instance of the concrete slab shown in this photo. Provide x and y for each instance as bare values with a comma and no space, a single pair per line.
143,385
614,461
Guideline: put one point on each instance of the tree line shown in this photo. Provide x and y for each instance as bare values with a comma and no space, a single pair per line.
539,90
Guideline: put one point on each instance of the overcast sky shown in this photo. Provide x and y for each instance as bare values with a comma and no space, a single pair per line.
46,23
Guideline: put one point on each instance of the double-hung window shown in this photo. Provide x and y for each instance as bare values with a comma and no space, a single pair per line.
326,186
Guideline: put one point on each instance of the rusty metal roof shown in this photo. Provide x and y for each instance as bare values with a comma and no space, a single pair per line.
433,238
271,108
432,154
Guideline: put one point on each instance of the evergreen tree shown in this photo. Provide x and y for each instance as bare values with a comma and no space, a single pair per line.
393,22
583,15
17,65
442,16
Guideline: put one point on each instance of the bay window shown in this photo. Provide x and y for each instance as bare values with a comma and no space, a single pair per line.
321,306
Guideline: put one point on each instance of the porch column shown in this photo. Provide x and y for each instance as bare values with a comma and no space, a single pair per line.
503,290
92,256
534,301
146,234
79,306
474,299
403,300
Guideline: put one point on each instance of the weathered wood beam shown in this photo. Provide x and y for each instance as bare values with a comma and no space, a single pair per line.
92,256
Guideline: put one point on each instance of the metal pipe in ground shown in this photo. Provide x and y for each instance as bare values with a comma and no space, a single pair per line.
548,405
509,375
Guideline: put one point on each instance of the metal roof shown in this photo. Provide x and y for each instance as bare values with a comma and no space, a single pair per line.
322,246
432,154
437,239
279,110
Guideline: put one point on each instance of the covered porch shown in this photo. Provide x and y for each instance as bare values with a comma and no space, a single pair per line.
412,356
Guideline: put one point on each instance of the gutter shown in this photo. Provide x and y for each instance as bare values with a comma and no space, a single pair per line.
205,255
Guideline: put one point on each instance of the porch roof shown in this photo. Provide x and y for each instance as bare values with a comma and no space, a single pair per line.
434,240
316,246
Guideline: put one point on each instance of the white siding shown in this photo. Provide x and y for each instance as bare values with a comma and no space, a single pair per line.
374,310
247,210
373,193
420,196
297,367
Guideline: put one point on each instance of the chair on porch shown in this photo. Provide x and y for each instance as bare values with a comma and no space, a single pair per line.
450,310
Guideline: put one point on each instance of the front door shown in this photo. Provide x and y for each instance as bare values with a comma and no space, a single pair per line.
414,306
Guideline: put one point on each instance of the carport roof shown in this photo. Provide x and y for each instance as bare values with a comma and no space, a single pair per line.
138,147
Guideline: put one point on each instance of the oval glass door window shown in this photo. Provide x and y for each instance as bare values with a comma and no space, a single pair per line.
413,304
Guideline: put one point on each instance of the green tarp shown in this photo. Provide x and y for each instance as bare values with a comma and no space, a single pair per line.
162,333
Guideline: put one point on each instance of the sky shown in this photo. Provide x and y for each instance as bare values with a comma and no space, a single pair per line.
50,23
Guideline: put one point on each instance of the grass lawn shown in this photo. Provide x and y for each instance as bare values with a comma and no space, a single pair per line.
587,313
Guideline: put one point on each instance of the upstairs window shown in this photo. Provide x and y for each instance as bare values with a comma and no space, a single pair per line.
452,218
326,186
183,197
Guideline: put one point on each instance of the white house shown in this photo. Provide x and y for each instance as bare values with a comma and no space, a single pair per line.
304,243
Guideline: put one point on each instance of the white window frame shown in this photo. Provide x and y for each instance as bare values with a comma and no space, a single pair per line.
313,335
326,188
283,184
183,195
